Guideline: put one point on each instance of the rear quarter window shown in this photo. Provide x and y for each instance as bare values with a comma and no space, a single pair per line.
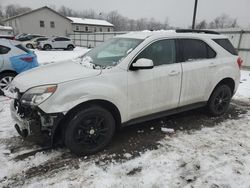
4,50
21,47
227,45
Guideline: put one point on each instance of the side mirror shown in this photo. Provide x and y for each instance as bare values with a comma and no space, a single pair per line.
53,40
142,63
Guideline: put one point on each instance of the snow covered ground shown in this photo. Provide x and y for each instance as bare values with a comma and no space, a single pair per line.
201,152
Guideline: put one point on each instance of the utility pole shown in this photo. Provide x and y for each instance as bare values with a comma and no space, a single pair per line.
194,15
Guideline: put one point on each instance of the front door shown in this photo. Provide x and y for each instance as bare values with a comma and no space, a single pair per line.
156,89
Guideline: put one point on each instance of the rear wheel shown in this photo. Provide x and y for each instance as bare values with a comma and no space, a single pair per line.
89,130
70,47
5,80
47,47
219,100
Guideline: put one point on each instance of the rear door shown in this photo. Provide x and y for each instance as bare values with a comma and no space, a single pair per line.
4,50
1,59
198,64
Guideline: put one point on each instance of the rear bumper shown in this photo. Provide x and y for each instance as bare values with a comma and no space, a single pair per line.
34,122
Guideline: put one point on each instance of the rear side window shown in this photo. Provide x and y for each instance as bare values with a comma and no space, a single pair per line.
4,50
193,49
21,47
227,45
62,39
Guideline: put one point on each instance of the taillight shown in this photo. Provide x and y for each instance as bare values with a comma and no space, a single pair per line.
27,59
239,62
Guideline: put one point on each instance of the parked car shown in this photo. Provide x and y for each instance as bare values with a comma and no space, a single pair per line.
129,79
28,37
20,35
57,43
32,44
6,32
14,59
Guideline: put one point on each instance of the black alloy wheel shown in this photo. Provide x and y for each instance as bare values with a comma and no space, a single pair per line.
89,130
220,100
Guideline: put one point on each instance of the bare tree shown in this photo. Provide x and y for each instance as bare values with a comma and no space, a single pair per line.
223,21
13,10
201,25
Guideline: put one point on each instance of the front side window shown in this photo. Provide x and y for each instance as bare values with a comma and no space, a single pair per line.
194,49
160,52
42,23
111,53
41,39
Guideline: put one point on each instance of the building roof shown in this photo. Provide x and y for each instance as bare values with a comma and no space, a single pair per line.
5,28
35,10
85,21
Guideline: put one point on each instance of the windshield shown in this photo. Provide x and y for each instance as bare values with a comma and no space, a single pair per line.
111,52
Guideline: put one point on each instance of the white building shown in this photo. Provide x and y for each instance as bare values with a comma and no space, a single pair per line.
6,30
90,25
48,22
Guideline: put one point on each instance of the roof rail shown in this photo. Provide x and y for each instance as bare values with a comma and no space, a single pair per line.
196,31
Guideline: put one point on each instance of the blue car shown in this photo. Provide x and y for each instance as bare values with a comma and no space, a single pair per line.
14,59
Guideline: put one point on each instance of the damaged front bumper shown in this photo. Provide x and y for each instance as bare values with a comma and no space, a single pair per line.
32,121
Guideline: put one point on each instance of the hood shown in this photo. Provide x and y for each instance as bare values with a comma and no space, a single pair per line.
54,73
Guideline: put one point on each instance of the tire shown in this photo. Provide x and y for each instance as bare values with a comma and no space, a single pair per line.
30,46
70,47
89,130
47,47
219,100
5,80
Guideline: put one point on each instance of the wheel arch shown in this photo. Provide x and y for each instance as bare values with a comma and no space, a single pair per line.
226,81
8,71
112,108
47,44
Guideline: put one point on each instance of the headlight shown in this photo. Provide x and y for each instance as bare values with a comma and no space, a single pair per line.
37,95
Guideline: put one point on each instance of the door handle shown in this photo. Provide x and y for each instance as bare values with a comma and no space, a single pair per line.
212,65
173,73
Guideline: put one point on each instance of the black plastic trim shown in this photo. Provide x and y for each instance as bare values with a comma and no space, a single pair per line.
196,31
164,113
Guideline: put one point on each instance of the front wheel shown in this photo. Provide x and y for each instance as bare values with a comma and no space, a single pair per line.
89,130
30,46
47,47
5,80
219,100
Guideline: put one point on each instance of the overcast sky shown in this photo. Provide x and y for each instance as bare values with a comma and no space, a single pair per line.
178,12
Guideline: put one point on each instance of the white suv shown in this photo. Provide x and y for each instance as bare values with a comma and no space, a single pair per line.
126,80
56,43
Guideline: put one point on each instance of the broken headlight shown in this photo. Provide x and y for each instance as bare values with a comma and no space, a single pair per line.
37,95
